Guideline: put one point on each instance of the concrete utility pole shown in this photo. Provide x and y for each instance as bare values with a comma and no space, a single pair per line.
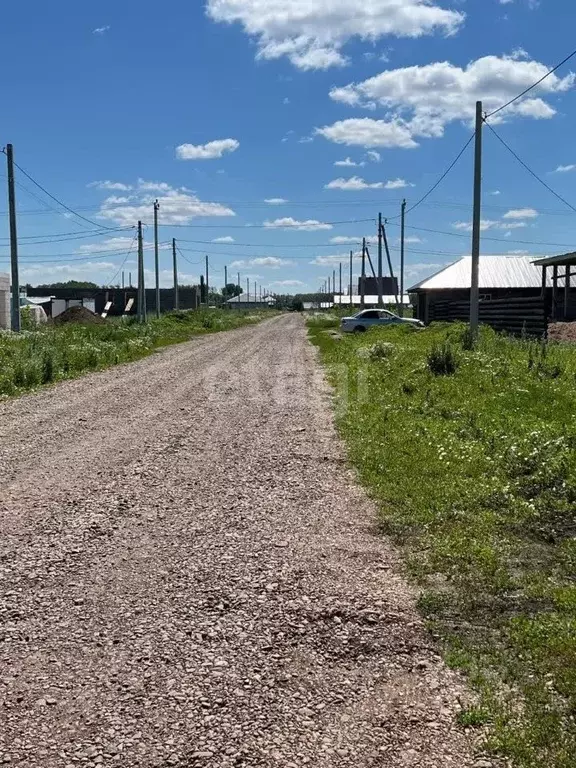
15,278
207,284
141,285
238,283
363,274
123,281
340,280
476,220
248,288
390,267
175,269
156,258
225,283
380,297
329,285
129,279
334,281
351,277
402,243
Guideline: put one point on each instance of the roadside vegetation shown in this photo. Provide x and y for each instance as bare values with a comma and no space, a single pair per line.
44,354
471,455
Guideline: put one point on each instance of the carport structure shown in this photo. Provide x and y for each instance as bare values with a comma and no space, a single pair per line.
563,302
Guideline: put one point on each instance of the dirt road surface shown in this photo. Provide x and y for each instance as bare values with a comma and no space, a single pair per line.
190,576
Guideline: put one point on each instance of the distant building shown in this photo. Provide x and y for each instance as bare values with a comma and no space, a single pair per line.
251,302
4,301
369,301
389,285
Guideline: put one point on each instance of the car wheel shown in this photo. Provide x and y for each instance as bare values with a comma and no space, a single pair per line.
359,329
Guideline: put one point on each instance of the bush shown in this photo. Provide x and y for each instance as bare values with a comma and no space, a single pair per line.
442,359
381,350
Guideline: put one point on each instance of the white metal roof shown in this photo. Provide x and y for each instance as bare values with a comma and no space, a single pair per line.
357,300
243,299
495,272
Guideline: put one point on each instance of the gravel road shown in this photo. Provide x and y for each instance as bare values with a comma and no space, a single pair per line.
190,576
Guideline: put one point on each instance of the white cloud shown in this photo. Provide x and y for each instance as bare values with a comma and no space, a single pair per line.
413,270
275,201
97,271
288,283
518,252
334,260
521,213
312,33
412,240
398,184
110,244
422,100
485,224
342,240
366,132
355,183
565,168
210,151
310,225
286,100
177,206
111,185
101,30
349,163
373,156
496,192
306,140
272,262
226,239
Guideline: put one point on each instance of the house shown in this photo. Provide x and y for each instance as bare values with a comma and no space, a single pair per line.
512,296
355,302
561,305
4,301
250,302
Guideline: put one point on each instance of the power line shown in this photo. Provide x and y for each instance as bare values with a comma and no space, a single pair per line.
74,236
440,180
128,252
297,227
56,200
192,263
534,85
272,245
530,171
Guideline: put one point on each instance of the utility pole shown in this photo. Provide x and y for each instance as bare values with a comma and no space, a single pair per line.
476,220
207,284
141,286
389,258
402,243
380,297
15,309
363,275
340,280
334,281
351,277
225,284
329,285
129,279
156,258
248,288
123,281
238,283
175,269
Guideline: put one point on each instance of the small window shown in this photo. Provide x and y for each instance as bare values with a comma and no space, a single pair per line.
485,297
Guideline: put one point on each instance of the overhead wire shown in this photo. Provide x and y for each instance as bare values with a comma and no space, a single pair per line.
534,85
128,252
530,171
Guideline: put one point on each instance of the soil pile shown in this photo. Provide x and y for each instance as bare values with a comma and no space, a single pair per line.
79,315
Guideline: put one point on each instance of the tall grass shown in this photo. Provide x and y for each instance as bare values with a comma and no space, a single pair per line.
475,474
53,352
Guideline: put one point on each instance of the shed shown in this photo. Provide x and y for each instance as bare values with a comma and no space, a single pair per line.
251,302
562,303
502,280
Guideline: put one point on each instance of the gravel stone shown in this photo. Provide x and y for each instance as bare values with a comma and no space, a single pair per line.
192,576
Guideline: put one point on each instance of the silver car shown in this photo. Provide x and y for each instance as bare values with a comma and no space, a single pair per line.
369,318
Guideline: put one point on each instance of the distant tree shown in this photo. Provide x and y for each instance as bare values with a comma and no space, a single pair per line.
231,289
297,305
71,284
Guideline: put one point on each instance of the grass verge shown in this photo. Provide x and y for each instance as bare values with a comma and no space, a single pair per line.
55,352
471,455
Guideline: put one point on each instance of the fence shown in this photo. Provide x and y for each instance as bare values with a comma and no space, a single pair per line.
512,315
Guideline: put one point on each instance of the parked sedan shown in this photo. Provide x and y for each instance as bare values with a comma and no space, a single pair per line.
372,317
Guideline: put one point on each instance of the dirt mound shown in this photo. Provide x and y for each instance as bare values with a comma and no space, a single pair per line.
562,332
79,315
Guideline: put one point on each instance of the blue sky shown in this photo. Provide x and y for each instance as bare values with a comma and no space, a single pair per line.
216,108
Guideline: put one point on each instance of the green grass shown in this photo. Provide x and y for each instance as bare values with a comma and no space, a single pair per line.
471,455
50,353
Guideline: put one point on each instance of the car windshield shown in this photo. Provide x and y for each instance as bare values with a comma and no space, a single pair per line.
374,313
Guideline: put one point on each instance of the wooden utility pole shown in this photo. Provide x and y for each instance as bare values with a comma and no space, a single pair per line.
156,258
363,274
402,243
226,284
141,284
390,267
15,278
175,269
351,276
207,284
380,297
476,221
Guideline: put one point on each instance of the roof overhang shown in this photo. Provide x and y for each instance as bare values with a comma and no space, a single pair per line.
566,259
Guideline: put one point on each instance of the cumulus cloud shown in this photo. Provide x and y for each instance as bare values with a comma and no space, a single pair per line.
349,163
335,259
420,101
177,205
343,239
275,201
210,151
111,185
101,30
226,239
485,224
521,213
110,244
398,184
355,183
272,262
310,225
565,168
312,33
373,156
288,283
